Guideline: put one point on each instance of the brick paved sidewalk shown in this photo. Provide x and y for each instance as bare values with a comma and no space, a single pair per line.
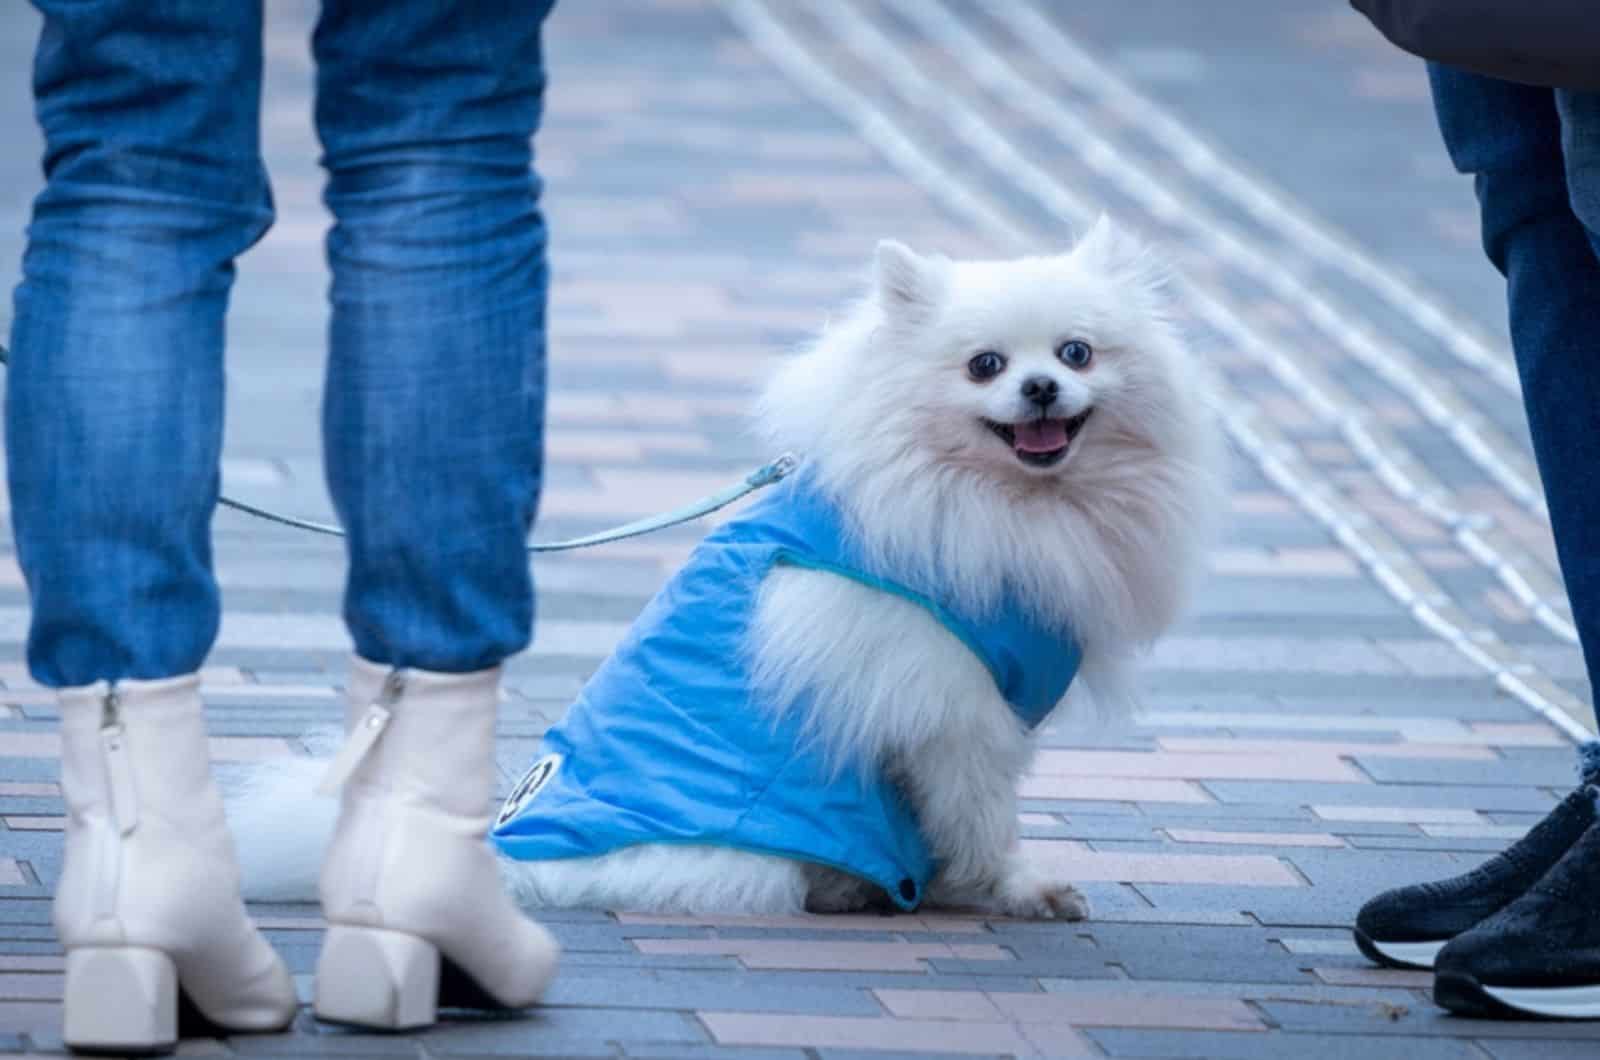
1374,687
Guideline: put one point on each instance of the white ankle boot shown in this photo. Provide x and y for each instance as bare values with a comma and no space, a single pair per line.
417,915
148,902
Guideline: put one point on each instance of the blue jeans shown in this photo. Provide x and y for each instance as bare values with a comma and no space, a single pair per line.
1535,155
434,401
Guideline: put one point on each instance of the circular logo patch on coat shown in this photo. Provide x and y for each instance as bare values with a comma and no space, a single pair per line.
537,776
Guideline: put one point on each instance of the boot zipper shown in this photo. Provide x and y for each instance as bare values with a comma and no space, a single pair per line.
122,795
367,729
119,770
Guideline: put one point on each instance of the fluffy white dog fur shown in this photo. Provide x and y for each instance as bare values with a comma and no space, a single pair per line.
1104,543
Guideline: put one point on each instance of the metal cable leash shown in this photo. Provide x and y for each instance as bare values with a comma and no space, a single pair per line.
762,477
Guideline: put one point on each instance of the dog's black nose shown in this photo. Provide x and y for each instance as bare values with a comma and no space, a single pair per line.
1041,390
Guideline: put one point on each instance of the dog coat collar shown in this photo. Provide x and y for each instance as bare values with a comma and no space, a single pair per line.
668,743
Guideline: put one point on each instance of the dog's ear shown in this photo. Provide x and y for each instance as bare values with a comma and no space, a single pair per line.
908,283
1111,250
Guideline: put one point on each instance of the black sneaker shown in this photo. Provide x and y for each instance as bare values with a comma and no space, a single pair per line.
1540,955
1408,926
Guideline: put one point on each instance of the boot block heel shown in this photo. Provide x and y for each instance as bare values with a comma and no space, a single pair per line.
121,1000
385,980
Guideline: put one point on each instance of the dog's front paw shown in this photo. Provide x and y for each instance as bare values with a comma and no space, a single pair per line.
1033,898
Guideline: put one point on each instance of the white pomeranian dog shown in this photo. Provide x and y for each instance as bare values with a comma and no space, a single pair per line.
1010,475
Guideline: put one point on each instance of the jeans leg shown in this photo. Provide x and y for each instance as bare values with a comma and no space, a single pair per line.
114,393
433,412
1580,152
1510,137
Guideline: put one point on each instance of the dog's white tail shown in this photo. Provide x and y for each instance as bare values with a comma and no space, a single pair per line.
281,826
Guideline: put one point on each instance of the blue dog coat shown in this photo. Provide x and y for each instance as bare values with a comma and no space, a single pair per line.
666,744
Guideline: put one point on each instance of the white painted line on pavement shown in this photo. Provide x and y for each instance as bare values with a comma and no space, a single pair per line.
1388,560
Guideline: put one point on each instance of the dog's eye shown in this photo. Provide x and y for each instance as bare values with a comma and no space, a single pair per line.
1075,353
985,366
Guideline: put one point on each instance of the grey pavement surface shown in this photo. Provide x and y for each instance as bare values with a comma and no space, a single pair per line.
1378,684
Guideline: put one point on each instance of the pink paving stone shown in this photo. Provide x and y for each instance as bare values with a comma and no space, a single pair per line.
1308,766
1076,863
1374,977
1065,1008
825,955
1173,1013
865,1032
223,748
1273,839
1338,748
1111,789
11,874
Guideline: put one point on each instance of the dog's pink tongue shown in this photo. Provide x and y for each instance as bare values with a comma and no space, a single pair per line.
1041,436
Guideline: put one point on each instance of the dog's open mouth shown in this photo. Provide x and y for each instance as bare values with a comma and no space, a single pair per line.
1040,443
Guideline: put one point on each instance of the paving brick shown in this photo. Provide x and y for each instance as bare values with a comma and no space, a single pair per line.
1374,977
1062,1008
1345,748
1419,815
837,922
841,956
1287,839
1414,1020
1418,771
1219,1045
674,1051
1458,796
926,1036
704,230
1071,861
1211,766
686,990
1103,788
1536,1049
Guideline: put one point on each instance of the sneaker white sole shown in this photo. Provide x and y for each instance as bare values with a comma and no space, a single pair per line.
1559,1002
1413,954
